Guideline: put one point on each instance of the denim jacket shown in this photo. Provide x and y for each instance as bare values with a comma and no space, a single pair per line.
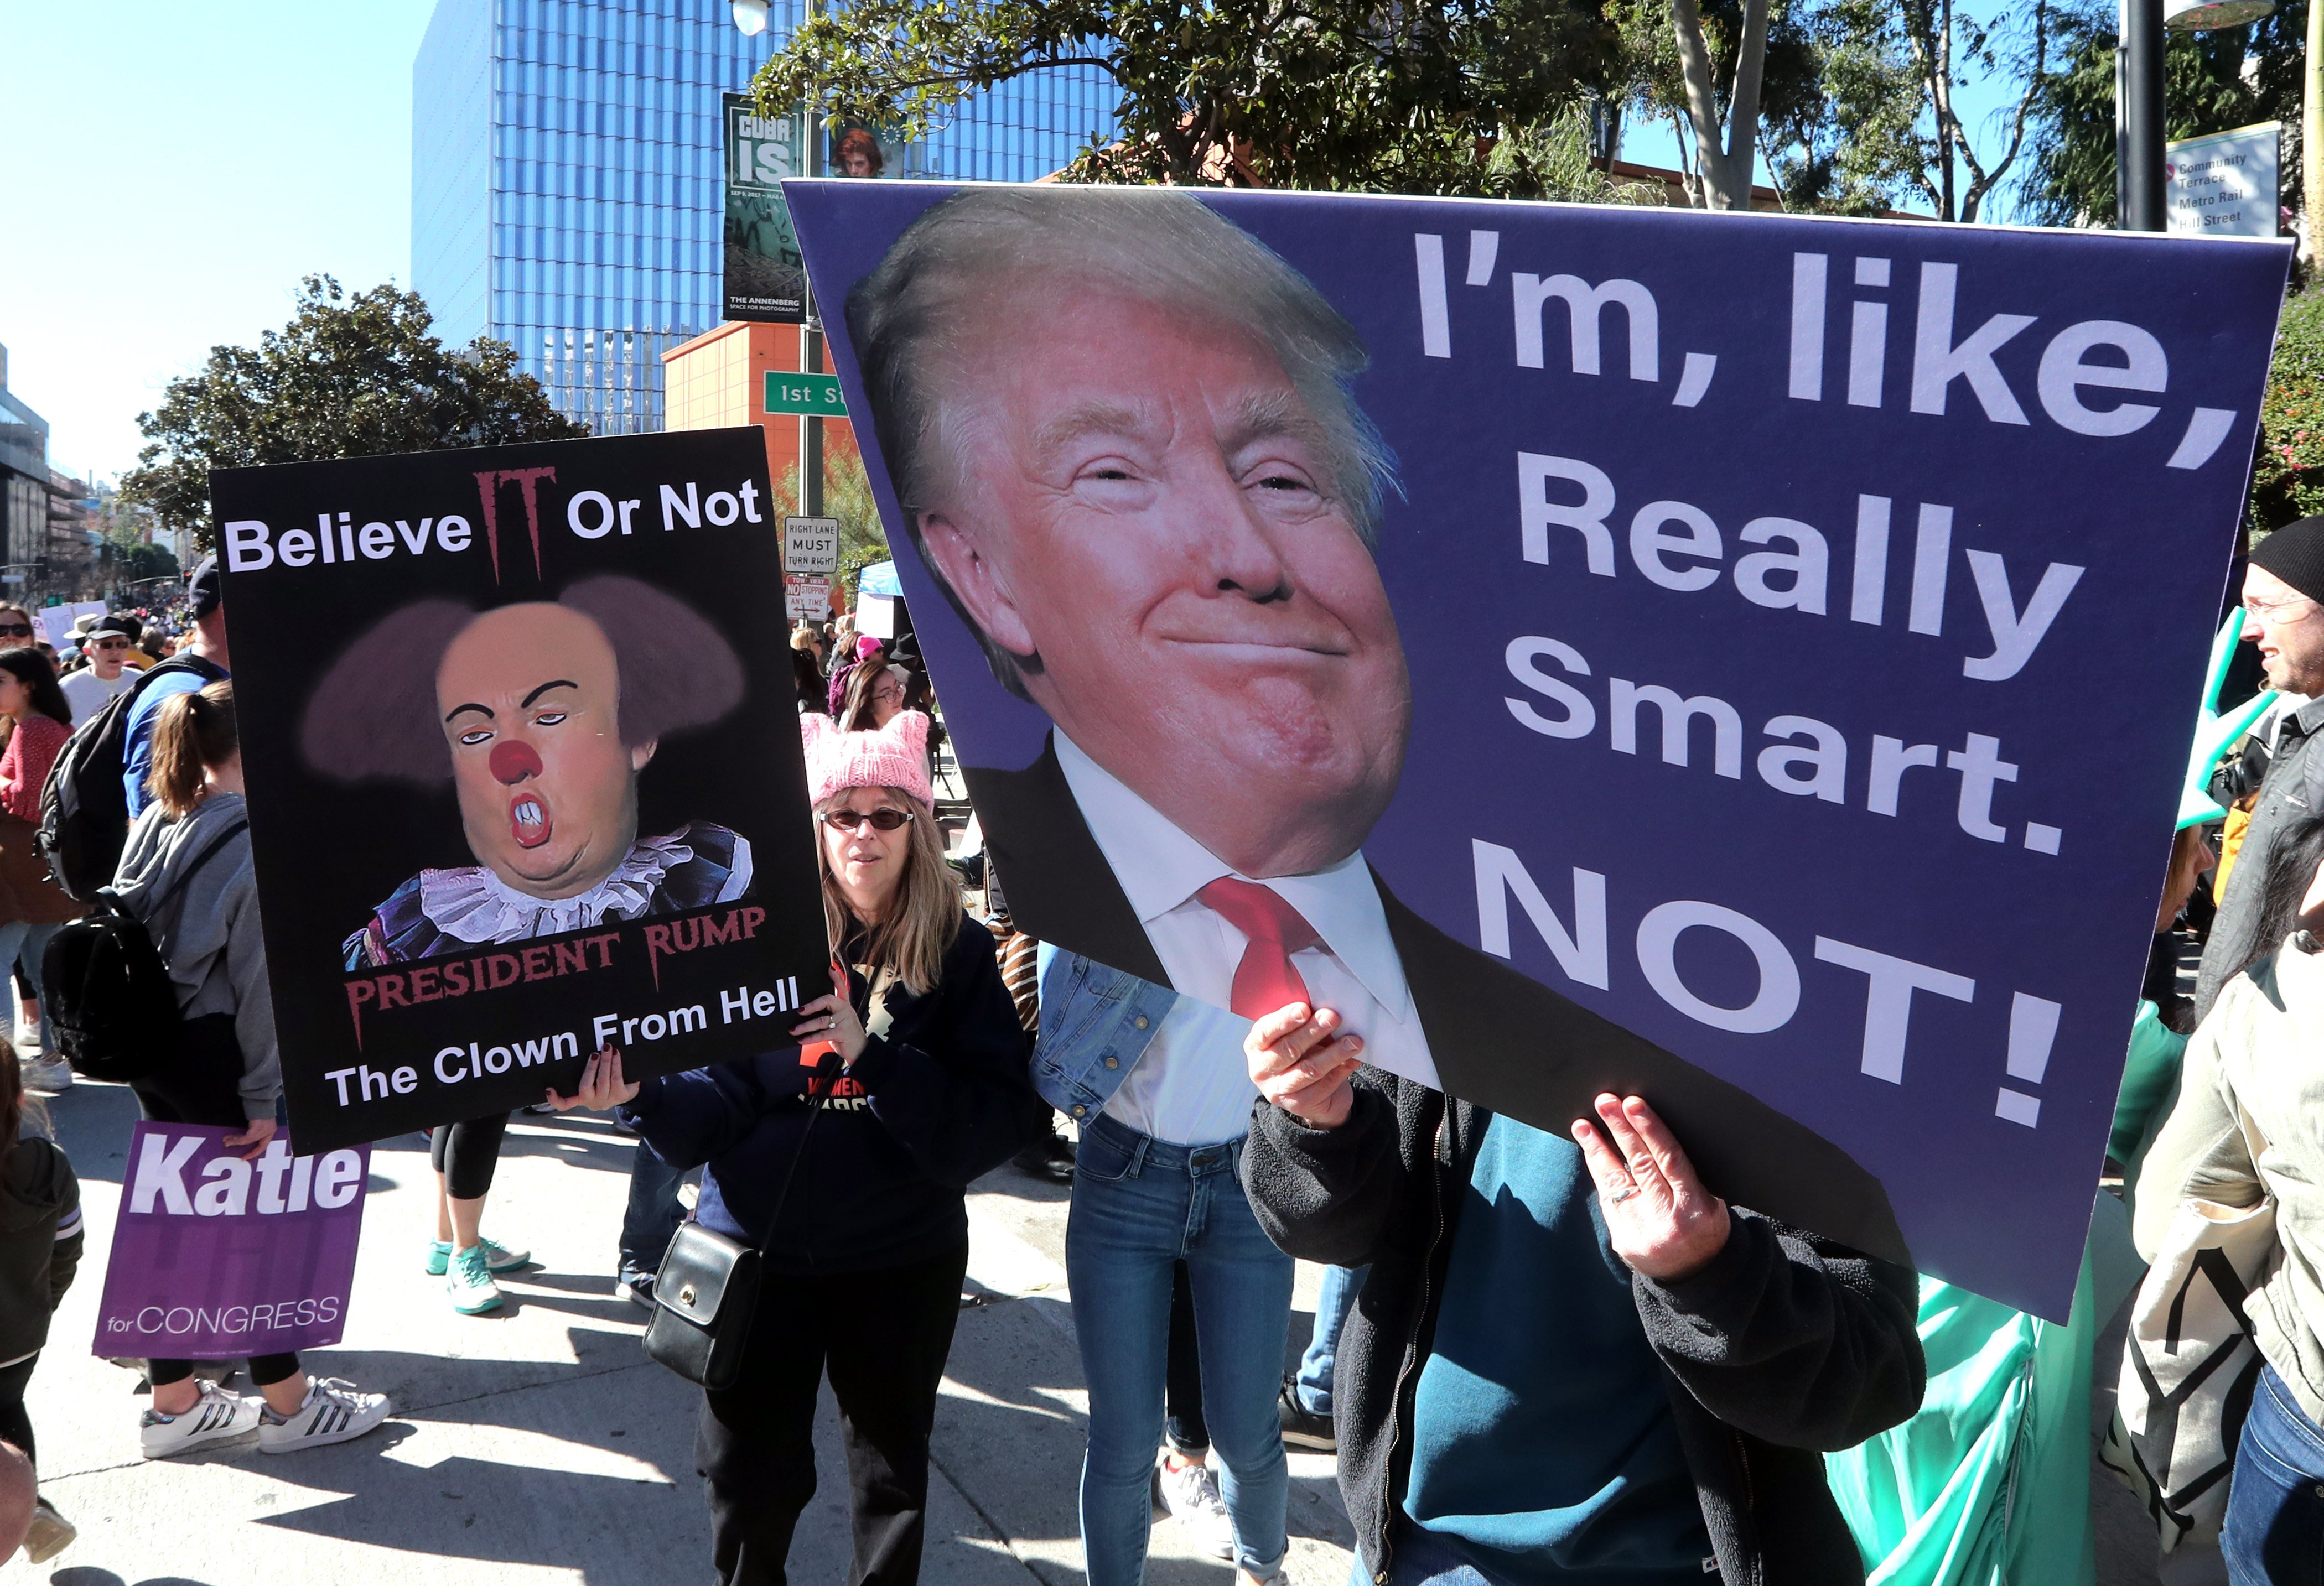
1096,1024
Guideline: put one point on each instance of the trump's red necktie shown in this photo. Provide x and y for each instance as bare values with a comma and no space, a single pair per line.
1273,931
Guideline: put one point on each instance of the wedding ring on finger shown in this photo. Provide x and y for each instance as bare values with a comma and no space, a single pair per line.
1619,1196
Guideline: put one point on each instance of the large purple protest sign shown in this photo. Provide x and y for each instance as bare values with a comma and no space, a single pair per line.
1742,660
219,1259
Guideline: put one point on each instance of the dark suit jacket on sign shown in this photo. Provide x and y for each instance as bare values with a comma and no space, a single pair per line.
1500,1039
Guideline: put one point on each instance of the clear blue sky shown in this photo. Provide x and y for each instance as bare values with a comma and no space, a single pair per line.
1649,141
174,168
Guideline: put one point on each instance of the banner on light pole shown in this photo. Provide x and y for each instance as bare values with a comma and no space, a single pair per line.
765,279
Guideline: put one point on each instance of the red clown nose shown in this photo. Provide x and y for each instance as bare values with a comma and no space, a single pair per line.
512,763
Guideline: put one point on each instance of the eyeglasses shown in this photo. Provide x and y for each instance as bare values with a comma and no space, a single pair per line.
2290,609
16,629
847,820
889,695
112,644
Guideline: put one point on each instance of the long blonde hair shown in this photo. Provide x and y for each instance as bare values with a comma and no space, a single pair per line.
919,924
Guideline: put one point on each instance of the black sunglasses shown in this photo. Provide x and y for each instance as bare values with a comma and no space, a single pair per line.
16,629
882,820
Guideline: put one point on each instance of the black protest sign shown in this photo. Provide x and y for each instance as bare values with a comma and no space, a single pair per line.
523,768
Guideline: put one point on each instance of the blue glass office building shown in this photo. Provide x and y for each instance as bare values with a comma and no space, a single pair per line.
565,169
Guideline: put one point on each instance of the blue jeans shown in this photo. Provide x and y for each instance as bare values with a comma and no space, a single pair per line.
21,941
653,1212
1140,1205
1333,1301
2274,1532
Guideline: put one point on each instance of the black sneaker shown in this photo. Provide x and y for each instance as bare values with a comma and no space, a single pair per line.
1303,1427
637,1287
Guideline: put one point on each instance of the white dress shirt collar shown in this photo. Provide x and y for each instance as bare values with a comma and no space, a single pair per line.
1161,868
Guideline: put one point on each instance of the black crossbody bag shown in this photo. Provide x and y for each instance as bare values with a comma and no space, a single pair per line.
707,1288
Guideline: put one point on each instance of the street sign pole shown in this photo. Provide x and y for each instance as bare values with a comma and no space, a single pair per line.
810,502
810,557
810,427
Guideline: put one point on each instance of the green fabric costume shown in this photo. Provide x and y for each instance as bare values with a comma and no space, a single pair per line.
1989,1484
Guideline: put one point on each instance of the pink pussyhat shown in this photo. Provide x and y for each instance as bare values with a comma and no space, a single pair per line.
893,756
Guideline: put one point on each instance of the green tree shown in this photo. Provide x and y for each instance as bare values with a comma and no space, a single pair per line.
1885,128
1555,160
1851,145
1325,94
847,496
1727,75
347,377
138,562
2212,81
2288,480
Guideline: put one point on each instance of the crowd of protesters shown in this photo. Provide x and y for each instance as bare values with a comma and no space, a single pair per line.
1539,1356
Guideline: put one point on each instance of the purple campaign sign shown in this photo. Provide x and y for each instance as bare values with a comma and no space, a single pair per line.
1743,661
216,1259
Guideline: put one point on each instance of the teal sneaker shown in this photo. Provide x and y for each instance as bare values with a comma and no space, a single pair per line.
497,1257
469,1282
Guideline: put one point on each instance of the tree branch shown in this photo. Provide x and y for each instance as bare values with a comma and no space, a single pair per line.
1933,53
1702,106
1690,181
1743,105
1986,184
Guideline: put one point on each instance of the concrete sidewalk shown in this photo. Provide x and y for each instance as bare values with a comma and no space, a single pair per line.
539,1444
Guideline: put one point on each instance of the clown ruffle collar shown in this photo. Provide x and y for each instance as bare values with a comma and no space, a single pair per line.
474,905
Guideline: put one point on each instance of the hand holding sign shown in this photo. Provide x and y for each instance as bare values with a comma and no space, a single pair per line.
257,1136
832,1021
602,1086
1297,1065
1661,1220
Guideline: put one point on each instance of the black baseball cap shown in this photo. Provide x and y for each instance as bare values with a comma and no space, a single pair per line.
206,590
124,626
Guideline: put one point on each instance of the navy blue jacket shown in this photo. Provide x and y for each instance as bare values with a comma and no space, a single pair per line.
938,1101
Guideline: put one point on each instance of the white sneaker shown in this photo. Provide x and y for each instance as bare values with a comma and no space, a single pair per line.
49,1534
216,1416
1191,1493
470,1283
334,1413
48,1076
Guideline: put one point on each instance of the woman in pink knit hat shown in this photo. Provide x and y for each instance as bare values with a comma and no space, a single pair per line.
865,1250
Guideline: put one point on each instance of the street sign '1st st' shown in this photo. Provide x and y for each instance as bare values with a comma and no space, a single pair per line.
814,394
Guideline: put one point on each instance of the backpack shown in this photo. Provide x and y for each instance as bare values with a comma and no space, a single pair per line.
105,990
84,808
